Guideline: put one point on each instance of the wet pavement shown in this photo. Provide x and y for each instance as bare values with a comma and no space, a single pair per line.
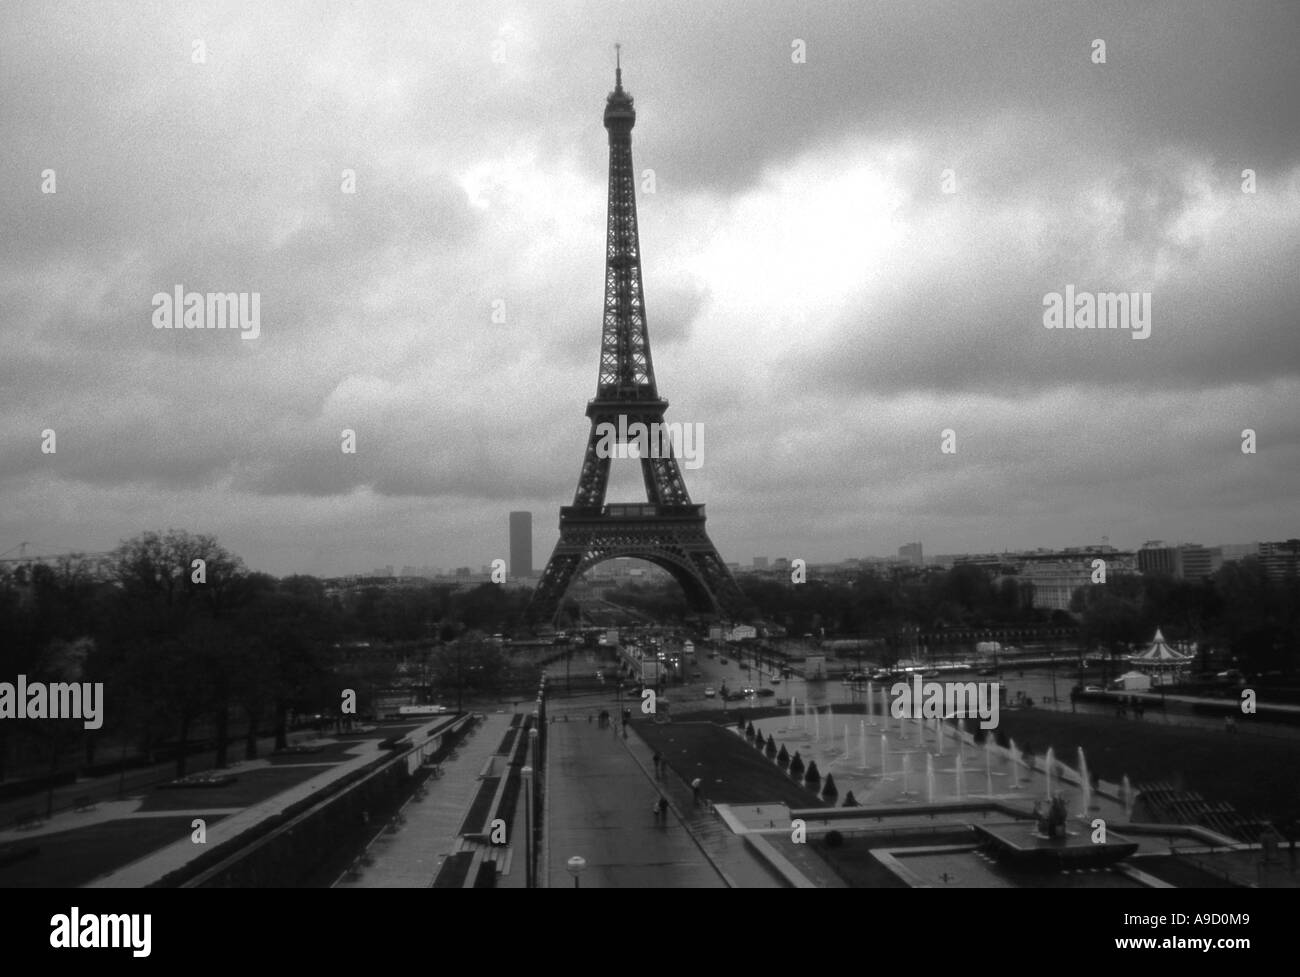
600,809
409,857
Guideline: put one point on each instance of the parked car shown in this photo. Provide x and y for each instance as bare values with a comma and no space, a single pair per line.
710,692
724,661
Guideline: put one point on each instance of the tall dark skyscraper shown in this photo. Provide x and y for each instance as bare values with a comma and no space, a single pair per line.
521,544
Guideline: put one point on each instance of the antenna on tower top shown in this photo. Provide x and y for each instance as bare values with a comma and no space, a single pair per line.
618,67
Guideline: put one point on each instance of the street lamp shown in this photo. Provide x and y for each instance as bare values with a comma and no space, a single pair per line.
527,773
575,865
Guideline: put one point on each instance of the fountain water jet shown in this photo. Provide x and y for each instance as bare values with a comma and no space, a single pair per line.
1048,762
961,785
1012,754
907,771
871,702
817,726
883,748
988,764
862,742
929,779
938,734
846,741
1128,798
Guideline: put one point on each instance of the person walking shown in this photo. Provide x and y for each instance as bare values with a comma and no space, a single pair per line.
663,810
658,760
695,790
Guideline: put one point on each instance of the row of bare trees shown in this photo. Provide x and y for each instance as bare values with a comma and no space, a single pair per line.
184,647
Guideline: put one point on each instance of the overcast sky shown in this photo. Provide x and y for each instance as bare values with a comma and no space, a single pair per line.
814,299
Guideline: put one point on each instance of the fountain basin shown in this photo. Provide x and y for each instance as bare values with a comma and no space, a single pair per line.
1019,843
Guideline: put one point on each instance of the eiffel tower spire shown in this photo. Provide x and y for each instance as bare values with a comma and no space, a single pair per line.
625,367
669,530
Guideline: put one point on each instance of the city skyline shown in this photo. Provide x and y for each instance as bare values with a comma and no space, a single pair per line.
427,243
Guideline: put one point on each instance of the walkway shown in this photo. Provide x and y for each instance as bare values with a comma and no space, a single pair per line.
728,852
600,808
409,858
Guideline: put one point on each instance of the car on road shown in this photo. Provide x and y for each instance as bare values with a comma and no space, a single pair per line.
747,692
1093,688
697,674
775,680
710,692
733,696
724,661
764,693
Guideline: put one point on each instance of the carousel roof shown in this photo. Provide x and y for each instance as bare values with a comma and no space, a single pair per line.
1160,651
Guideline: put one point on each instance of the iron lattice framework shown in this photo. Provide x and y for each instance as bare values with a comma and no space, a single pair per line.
668,530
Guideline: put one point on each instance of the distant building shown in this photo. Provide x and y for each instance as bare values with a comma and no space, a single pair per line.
1054,583
1197,562
911,553
1281,560
1156,558
521,544
1186,561
1234,552
760,563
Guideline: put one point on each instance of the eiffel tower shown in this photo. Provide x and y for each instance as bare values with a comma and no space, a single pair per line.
668,529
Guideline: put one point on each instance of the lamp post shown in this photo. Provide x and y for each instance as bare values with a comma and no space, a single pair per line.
575,865
527,773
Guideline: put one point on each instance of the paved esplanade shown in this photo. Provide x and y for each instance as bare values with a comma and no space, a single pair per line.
600,800
410,858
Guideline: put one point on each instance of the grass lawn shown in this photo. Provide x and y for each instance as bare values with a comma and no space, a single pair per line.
250,788
75,857
732,771
328,753
853,861
1256,774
